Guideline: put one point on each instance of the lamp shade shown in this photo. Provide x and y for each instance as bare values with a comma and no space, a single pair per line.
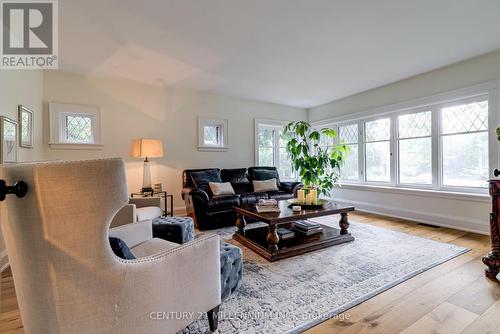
146,148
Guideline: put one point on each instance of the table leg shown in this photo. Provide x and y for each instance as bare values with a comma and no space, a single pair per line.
343,223
273,238
240,224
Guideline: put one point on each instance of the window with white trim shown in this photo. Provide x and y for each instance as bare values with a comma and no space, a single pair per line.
349,135
378,150
444,144
74,125
464,142
415,147
271,148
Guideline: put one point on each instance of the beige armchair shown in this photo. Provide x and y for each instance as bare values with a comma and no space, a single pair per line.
66,276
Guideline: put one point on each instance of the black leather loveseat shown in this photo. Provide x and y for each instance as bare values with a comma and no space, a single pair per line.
216,211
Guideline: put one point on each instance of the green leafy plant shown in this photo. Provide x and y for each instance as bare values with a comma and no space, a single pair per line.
498,132
317,165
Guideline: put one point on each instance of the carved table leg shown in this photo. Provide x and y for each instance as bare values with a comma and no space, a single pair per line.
343,223
240,224
273,238
492,259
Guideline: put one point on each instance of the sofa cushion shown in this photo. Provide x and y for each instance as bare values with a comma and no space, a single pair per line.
148,213
279,195
252,198
120,248
224,201
203,178
152,247
223,188
264,173
265,185
238,177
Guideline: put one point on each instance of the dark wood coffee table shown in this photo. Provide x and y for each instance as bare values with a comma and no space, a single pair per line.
264,240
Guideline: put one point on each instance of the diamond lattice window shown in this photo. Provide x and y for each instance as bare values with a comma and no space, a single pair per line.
378,130
25,131
78,129
348,134
415,125
211,135
469,117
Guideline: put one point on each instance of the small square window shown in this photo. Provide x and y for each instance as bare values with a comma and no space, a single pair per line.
212,134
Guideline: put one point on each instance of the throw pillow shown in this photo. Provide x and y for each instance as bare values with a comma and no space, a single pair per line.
265,174
224,188
203,178
265,185
120,248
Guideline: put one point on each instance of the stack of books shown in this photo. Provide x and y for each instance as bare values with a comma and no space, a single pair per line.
267,205
285,234
307,227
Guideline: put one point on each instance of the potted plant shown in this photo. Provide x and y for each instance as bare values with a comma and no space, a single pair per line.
318,166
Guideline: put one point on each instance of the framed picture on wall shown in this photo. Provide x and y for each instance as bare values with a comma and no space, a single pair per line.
8,139
25,119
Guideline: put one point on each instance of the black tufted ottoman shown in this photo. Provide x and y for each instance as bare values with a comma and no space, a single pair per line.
231,267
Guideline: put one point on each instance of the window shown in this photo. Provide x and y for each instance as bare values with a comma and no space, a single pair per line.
415,148
74,125
378,150
348,135
77,129
212,134
271,148
442,143
464,137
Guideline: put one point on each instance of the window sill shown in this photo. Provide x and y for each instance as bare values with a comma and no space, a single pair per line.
419,192
212,149
66,146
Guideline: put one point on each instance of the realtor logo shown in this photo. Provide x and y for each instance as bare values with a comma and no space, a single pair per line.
29,34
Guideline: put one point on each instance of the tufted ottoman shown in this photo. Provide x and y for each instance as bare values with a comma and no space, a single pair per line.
175,229
231,267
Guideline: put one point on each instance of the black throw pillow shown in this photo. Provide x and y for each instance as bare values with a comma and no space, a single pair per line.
203,178
266,174
120,248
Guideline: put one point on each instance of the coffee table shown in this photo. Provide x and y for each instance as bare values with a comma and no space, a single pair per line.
264,240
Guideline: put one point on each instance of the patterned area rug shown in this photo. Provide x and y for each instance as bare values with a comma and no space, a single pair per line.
292,295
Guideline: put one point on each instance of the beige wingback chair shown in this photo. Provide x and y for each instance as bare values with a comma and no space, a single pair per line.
66,276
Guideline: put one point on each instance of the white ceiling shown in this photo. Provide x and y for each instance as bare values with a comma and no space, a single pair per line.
300,53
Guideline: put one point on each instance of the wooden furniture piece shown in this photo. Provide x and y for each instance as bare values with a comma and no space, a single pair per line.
264,240
168,210
492,259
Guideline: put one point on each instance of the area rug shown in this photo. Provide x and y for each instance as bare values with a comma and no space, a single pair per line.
292,295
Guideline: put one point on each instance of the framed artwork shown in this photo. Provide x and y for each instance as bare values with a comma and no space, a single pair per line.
25,127
8,140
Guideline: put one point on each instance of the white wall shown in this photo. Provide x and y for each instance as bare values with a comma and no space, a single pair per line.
463,214
131,110
22,87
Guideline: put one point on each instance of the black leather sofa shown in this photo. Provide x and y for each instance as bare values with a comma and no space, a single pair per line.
217,211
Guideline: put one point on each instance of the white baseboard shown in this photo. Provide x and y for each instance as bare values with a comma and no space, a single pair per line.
458,223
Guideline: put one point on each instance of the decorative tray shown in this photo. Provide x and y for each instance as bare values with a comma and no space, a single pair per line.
319,204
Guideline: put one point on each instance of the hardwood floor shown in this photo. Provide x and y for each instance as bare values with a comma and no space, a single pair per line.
453,297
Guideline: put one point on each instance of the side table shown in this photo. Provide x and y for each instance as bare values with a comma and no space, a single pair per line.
168,210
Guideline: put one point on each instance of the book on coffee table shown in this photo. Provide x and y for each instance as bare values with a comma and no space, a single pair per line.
264,209
285,234
309,232
305,225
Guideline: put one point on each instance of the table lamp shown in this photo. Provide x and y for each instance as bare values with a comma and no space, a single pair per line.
146,148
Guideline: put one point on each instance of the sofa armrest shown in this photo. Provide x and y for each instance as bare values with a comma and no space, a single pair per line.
200,195
134,233
142,202
126,215
291,187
